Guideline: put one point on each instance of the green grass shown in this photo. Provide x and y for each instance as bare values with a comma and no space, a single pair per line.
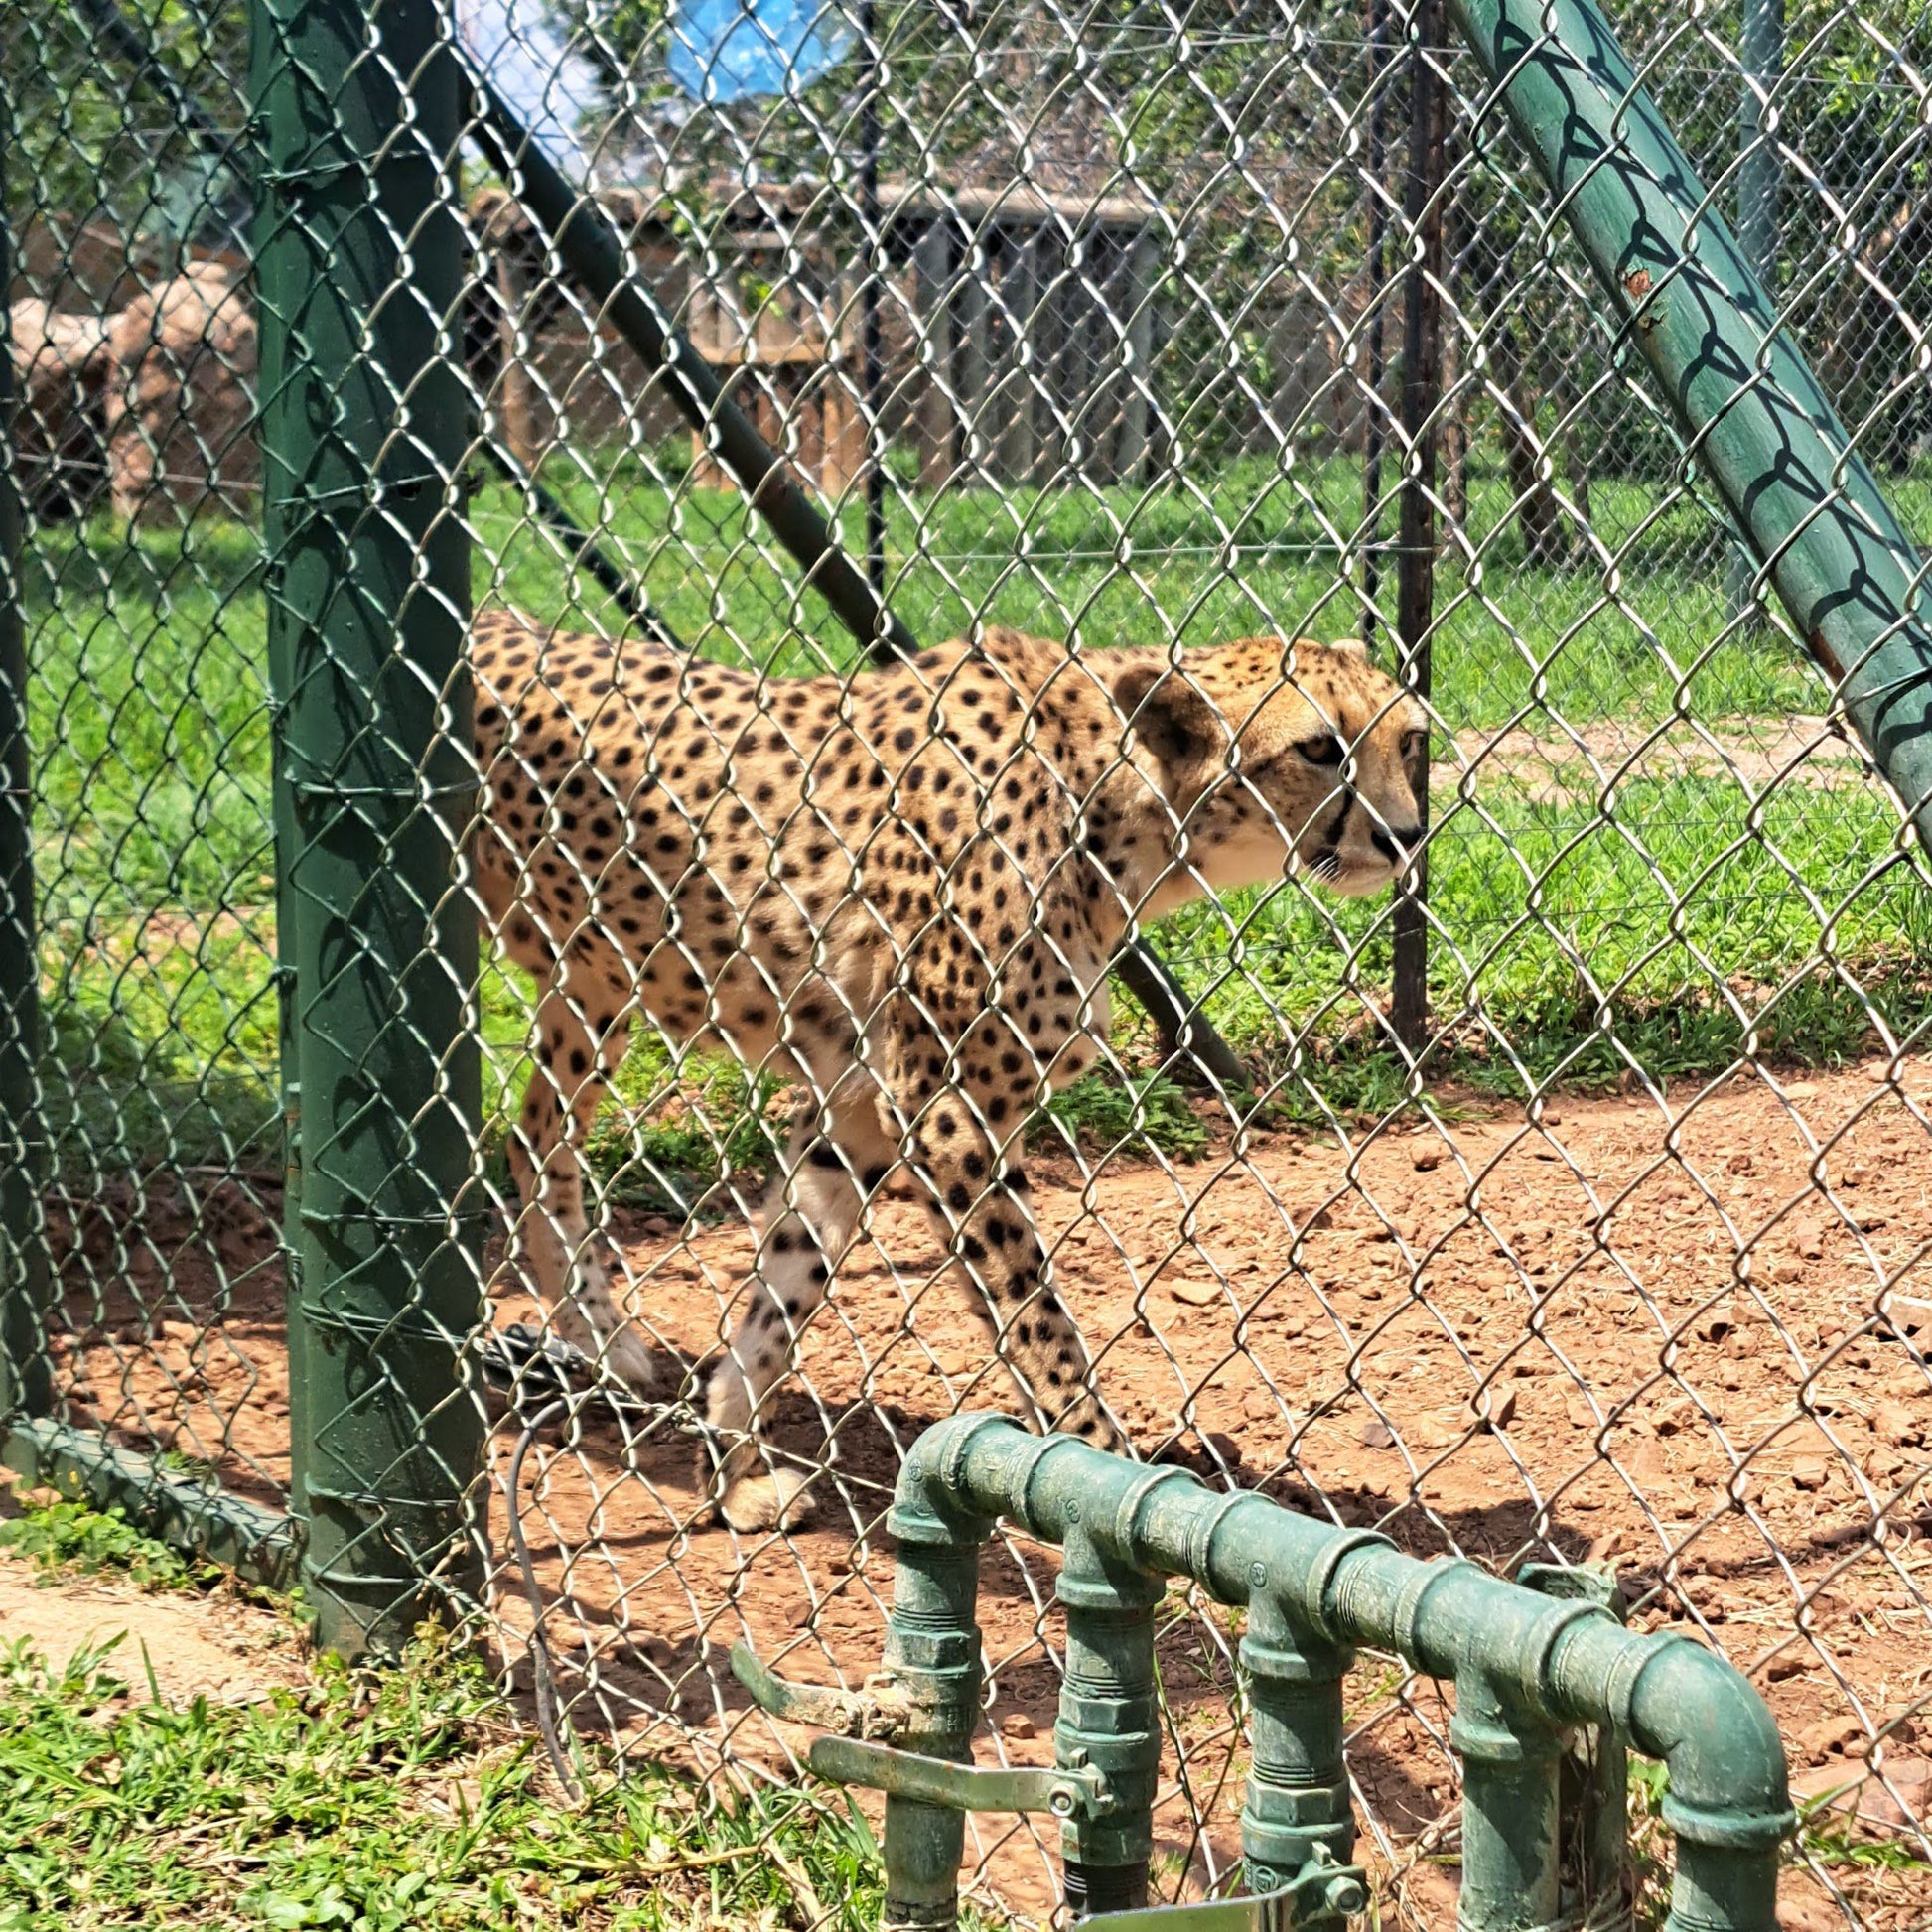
373,1801
1677,925
363,1800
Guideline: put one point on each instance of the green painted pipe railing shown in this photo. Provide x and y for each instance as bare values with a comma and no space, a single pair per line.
1757,421
1530,1665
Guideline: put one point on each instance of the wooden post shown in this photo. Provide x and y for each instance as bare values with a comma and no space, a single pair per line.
933,259
1055,337
975,318
1143,265
517,387
1020,295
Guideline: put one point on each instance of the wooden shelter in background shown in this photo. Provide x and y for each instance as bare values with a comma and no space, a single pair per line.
1020,331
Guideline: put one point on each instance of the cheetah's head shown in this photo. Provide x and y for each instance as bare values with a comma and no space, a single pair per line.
1271,752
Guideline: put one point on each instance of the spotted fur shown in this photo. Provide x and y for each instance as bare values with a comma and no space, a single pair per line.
903,890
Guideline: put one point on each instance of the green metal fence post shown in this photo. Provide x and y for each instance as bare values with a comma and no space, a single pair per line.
1844,564
26,1373
1296,1805
1109,1719
363,426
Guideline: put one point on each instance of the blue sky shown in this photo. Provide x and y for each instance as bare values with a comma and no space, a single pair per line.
519,48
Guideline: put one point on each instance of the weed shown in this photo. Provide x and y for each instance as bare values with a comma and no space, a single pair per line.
62,1535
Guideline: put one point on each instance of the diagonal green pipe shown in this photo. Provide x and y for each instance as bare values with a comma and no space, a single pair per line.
1845,566
1522,1662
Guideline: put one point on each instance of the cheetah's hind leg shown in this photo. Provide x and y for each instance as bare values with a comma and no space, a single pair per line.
582,1032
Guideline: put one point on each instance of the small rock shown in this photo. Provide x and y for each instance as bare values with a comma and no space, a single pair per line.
1829,1734
1738,1164
1845,1788
1015,1723
1801,1090
1897,1424
1322,1217
1580,1412
1426,1158
1675,1416
1495,1411
1196,1294
1808,1238
1810,1473
1377,1434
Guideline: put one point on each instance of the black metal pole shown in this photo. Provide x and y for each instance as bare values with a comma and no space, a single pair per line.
1378,271
593,253
870,374
1422,390
613,579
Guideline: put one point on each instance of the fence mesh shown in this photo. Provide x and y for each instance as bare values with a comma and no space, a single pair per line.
1091,324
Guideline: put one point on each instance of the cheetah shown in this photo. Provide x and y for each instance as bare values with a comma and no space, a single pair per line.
902,888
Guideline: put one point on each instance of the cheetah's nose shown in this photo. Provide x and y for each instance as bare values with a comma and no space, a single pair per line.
1394,842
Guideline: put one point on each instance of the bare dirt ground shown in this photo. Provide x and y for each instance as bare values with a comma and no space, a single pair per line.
1550,768
1707,1364
195,1646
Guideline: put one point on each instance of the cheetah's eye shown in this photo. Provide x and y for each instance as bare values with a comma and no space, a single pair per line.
1325,749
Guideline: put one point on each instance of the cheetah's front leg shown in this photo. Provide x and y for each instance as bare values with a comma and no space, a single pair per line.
811,1215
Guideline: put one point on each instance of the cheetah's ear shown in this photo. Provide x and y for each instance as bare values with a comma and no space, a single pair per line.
1171,717
1351,647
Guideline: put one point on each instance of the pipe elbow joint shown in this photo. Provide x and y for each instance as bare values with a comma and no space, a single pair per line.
1727,1781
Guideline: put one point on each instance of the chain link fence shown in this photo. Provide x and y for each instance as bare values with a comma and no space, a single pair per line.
1569,1205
